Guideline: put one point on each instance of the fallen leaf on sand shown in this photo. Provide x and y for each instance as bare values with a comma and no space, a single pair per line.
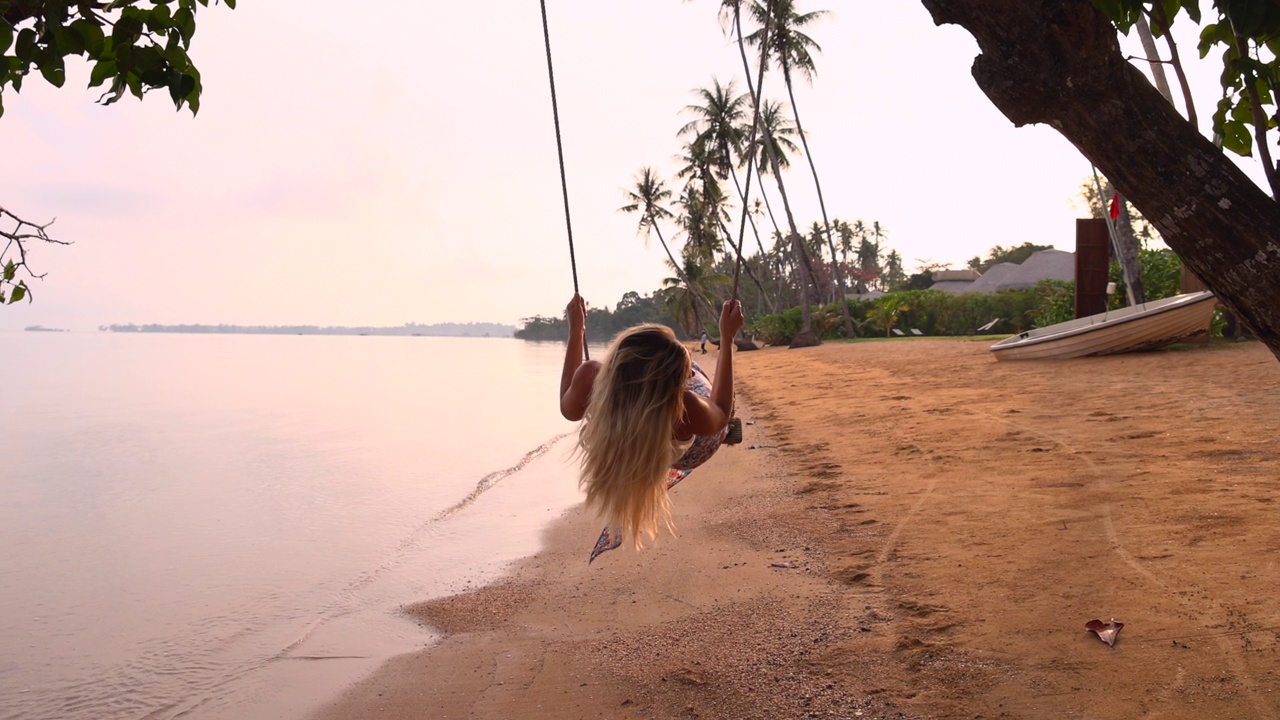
1107,631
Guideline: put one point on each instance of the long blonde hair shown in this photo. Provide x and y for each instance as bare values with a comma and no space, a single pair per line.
628,437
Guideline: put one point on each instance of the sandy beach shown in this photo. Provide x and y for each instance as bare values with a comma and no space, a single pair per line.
910,530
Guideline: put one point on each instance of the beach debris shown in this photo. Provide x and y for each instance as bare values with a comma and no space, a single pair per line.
1106,631
788,565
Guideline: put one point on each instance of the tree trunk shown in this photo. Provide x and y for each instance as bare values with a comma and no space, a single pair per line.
1153,57
684,278
806,338
1130,256
826,224
1161,17
1058,62
738,250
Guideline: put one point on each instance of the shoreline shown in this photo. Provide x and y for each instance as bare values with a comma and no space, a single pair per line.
917,532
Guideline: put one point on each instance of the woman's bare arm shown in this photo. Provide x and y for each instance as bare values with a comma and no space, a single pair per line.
705,417
577,376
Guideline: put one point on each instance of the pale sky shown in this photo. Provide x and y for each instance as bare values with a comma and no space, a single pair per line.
394,166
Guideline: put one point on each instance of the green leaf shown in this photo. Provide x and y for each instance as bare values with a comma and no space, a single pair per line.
1264,92
1220,114
91,33
185,21
19,292
67,41
147,60
230,3
55,76
114,94
126,57
1236,138
1193,11
154,77
127,30
1215,34
176,56
53,70
1248,17
189,84
135,85
193,97
25,49
103,70
1123,13
1243,111
159,19
55,14
9,270
6,37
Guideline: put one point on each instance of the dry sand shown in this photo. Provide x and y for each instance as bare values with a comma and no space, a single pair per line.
910,530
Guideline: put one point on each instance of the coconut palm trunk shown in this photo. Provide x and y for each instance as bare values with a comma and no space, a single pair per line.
826,224
806,337
647,199
685,279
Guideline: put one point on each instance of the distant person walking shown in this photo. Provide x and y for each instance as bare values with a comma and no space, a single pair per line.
704,342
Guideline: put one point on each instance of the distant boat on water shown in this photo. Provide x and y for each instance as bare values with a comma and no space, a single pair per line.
1139,327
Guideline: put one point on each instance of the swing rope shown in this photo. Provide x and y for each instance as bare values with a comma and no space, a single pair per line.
564,184
560,145
751,142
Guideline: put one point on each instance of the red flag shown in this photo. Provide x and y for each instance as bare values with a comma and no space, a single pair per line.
1115,206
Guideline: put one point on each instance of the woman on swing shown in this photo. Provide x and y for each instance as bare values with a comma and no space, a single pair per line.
651,416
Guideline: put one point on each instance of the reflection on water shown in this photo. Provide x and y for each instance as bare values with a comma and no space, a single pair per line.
182,516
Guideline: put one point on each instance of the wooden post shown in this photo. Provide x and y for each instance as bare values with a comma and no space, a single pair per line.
1093,259
1190,283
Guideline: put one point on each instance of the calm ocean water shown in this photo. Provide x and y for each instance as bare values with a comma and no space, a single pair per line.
225,526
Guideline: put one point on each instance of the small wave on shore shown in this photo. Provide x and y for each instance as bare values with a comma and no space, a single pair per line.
492,479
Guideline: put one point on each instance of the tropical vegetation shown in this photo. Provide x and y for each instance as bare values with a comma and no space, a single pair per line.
727,225
1037,61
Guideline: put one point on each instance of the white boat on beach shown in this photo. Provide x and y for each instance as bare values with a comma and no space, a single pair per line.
1140,327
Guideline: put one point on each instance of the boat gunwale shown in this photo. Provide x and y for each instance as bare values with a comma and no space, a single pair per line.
1019,341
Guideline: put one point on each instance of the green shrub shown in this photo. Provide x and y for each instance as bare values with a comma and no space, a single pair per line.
1056,302
776,329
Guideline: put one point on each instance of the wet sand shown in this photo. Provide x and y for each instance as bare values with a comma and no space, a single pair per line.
910,530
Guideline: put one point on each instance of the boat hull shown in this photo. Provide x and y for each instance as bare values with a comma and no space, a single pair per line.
1141,327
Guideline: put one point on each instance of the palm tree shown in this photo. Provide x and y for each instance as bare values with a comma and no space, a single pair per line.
813,244
869,259
845,231
698,206
717,125
885,313
793,50
805,338
647,198
775,128
773,148
718,129
694,284
894,274
706,158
